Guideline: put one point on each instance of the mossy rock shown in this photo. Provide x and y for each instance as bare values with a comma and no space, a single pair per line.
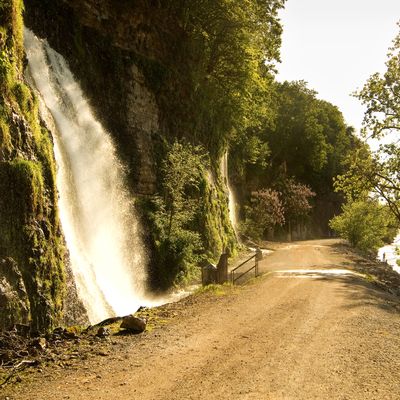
30,231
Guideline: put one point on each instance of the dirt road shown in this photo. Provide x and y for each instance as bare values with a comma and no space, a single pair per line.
289,335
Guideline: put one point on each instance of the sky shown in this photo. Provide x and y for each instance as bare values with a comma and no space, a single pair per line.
335,45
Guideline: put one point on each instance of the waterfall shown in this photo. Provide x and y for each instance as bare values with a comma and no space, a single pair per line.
231,196
97,216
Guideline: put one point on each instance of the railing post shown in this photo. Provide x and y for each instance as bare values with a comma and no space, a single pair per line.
222,268
259,257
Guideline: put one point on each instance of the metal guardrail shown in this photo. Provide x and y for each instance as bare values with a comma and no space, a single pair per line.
255,267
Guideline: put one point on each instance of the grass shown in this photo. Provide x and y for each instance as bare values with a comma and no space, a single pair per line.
216,290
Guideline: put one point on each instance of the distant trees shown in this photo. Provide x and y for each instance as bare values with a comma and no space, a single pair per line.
296,200
309,136
297,153
263,213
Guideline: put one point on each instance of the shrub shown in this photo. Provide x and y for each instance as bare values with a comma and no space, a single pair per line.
366,224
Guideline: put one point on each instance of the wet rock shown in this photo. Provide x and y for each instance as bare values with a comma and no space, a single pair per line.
103,332
133,324
74,312
14,302
58,331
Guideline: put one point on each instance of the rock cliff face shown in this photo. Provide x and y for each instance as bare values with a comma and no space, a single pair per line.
131,60
116,50
31,244
14,301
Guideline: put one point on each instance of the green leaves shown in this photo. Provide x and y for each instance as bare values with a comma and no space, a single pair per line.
366,224
183,171
230,49
381,96
178,244
380,172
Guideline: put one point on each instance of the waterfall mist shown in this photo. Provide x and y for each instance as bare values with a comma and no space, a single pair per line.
97,215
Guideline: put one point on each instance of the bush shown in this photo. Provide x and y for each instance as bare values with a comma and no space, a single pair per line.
366,224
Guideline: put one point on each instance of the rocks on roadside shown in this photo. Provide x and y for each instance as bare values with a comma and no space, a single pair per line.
133,324
103,332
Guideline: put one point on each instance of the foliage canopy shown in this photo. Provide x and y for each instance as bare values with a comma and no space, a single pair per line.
379,172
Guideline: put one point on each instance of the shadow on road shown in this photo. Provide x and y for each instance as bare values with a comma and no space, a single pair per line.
362,293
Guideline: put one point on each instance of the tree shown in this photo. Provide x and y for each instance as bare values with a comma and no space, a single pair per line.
264,212
182,172
295,199
381,96
309,136
288,202
307,139
173,214
228,51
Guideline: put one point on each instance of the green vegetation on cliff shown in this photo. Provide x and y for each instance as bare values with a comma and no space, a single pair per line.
30,232
201,72
189,218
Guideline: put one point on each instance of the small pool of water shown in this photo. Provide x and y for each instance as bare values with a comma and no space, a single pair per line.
314,273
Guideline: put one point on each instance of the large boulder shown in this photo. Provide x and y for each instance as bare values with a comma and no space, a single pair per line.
14,302
133,324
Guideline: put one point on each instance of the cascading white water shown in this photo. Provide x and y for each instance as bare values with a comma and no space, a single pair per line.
231,196
100,228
